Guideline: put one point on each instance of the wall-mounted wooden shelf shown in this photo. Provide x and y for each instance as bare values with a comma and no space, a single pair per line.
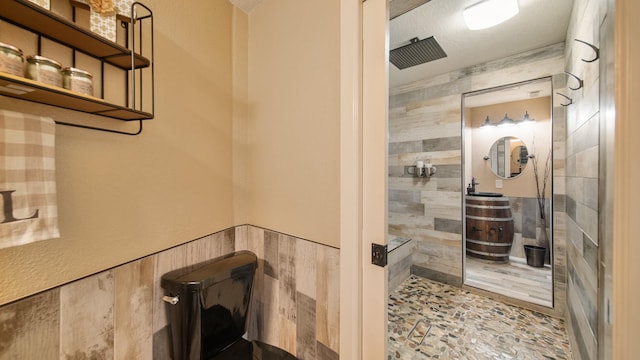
46,23
27,89
49,25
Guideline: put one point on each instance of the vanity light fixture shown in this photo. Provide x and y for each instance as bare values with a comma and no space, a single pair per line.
526,118
506,121
486,123
488,13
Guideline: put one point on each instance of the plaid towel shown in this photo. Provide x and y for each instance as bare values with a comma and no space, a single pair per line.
27,179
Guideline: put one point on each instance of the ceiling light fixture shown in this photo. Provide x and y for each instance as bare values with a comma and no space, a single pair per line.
488,13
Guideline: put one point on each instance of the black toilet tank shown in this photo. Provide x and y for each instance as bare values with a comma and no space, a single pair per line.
212,306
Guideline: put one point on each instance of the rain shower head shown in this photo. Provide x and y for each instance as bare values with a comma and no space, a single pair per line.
416,53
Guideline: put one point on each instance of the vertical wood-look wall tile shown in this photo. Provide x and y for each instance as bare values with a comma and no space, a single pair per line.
271,320
86,318
287,277
255,244
271,250
324,353
241,237
306,327
133,328
30,329
165,261
287,334
306,267
327,297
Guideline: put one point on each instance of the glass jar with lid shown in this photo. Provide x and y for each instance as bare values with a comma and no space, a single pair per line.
44,70
11,60
77,80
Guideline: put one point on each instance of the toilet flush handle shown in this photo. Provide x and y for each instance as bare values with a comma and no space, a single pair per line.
171,299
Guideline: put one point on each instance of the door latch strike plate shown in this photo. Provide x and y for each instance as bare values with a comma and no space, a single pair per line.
379,255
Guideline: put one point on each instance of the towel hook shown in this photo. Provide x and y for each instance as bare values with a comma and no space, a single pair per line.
566,97
580,81
595,49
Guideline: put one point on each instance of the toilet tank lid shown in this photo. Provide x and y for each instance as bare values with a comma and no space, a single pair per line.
205,274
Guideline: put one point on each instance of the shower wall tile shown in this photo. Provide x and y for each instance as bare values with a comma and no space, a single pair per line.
529,221
587,162
399,266
442,204
437,158
406,208
119,314
590,199
30,328
451,184
86,318
405,147
582,170
447,225
590,254
442,144
404,195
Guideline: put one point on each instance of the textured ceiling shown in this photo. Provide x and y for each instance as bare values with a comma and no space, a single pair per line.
539,23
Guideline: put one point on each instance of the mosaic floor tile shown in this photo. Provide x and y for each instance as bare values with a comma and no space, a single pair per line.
430,320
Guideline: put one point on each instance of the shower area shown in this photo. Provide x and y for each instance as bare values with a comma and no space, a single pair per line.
439,122
438,147
439,154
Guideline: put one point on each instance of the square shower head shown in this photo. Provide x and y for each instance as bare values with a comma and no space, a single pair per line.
416,53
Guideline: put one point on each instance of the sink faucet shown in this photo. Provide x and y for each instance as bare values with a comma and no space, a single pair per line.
472,187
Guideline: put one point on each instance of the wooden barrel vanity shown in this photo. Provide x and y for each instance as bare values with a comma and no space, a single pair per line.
489,227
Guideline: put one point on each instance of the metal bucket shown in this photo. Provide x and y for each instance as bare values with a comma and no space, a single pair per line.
535,255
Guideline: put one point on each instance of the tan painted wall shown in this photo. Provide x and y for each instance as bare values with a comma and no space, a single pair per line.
121,198
294,118
626,267
482,138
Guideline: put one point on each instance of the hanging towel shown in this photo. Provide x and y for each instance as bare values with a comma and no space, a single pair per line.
27,179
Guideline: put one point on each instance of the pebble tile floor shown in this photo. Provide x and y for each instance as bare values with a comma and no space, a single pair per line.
430,320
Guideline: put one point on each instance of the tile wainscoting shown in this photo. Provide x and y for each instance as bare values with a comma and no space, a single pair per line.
119,314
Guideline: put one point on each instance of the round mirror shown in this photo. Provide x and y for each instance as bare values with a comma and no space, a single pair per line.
509,157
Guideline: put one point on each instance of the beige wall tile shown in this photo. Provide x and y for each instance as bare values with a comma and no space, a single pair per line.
30,329
305,327
86,318
327,298
133,325
306,268
287,277
287,336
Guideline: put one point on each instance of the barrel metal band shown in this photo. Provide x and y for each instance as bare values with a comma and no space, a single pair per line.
488,218
488,206
486,253
479,242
